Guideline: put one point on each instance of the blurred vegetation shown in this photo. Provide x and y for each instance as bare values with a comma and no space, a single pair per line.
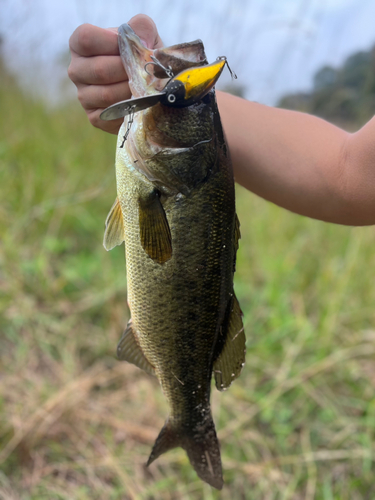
345,95
77,424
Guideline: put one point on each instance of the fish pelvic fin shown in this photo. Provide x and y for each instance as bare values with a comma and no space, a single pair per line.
129,350
201,445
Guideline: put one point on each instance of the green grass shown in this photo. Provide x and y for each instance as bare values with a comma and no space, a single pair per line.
77,424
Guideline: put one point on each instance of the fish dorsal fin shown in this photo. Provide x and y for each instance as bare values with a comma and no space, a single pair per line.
154,229
129,350
231,359
114,227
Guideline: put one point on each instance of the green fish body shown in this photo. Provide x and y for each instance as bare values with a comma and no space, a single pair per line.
175,210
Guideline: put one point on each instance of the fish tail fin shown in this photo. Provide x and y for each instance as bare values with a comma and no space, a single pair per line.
203,449
167,440
201,445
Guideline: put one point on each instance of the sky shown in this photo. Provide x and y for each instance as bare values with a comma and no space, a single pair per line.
275,47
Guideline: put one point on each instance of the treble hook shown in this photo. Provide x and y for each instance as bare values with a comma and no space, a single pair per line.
232,73
168,71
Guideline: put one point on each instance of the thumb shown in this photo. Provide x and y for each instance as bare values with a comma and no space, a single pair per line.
147,31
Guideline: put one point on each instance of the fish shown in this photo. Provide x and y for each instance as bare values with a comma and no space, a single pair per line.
175,211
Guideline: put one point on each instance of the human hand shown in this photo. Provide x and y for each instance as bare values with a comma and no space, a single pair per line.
97,70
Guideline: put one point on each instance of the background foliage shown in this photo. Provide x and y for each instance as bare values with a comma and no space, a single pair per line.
344,95
77,424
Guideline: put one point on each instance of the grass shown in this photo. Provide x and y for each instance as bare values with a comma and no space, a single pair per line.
77,424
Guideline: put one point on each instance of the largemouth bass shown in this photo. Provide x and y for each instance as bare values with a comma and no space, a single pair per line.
175,210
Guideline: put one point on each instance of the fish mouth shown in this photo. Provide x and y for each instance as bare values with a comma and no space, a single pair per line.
145,67
134,56
192,84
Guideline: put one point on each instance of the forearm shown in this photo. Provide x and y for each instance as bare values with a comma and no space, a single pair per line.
301,162
295,160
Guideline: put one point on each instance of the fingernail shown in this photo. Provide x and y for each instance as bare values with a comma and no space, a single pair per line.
145,43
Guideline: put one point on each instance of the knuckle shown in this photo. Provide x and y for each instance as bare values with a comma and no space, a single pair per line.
72,44
81,95
95,120
84,38
72,72
106,95
99,71
110,127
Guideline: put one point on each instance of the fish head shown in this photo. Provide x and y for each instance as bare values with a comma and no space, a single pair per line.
171,139
177,76
148,70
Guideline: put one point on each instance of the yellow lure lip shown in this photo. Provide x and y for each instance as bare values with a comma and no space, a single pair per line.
198,81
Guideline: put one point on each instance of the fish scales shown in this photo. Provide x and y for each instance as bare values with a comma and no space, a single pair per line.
181,304
176,211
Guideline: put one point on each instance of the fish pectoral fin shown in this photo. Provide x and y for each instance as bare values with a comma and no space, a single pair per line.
231,358
154,229
114,233
129,350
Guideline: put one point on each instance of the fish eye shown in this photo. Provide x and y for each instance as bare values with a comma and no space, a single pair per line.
174,95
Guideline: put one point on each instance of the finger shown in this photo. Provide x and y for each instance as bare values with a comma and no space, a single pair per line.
88,40
97,70
102,96
147,31
112,126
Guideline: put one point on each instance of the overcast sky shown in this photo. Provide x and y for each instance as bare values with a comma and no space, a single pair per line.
274,46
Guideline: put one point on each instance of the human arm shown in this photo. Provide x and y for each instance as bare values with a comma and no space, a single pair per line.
293,159
301,162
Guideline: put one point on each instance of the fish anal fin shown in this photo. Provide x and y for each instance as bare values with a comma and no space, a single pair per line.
129,350
154,229
114,227
232,343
